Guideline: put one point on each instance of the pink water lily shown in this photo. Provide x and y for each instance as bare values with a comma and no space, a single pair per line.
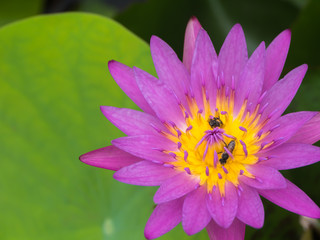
212,134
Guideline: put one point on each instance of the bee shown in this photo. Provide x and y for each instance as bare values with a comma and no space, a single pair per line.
215,122
225,155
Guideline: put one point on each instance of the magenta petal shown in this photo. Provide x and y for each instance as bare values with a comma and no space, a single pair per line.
293,199
275,58
223,209
124,76
164,218
132,122
235,232
250,208
143,146
280,95
291,155
163,101
110,157
233,55
195,214
203,69
144,173
288,125
265,177
309,133
175,187
190,37
251,79
169,68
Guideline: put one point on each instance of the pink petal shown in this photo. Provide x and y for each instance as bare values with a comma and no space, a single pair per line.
251,79
170,69
288,125
280,95
265,177
292,155
203,69
110,157
235,232
275,58
293,199
195,215
309,133
250,208
164,218
132,122
124,76
144,173
160,97
175,187
190,37
233,55
223,209
147,147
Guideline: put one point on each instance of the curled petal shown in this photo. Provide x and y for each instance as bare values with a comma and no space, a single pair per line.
293,199
235,232
164,218
110,157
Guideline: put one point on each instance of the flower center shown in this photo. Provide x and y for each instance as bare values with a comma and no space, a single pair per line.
216,146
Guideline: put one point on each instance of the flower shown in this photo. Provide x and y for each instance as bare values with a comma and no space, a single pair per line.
211,134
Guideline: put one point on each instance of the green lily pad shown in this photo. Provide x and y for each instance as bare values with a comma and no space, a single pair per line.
53,78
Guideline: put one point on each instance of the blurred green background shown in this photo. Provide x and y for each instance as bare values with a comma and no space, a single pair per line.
54,77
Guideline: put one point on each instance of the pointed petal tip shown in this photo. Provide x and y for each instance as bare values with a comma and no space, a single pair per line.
194,19
110,62
104,108
194,23
82,158
113,64
286,34
154,39
237,27
147,235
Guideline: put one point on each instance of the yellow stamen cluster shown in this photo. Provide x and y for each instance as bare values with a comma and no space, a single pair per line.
202,145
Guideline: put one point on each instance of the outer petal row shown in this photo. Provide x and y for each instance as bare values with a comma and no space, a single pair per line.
164,218
125,78
293,199
144,173
110,157
132,122
281,94
204,70
235,232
